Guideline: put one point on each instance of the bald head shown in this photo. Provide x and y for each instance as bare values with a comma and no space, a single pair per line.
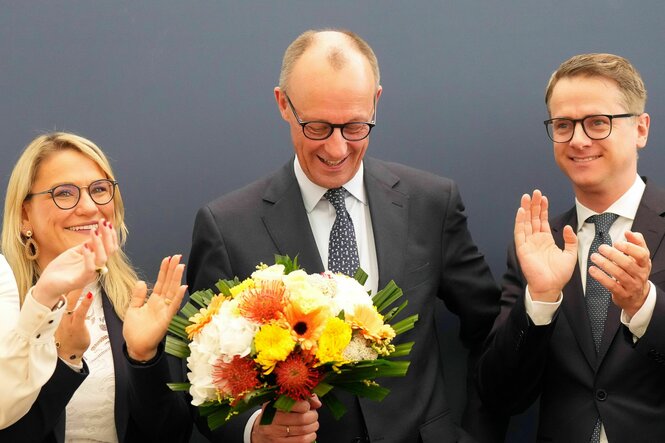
336,48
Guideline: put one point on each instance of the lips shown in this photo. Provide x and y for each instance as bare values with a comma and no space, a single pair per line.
332,163
88,227
585,159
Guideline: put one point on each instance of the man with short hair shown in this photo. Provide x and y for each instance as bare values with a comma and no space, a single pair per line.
404,224
582,321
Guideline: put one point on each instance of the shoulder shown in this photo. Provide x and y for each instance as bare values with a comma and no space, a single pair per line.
410,180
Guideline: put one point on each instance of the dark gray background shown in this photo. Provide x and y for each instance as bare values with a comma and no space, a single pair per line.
179,95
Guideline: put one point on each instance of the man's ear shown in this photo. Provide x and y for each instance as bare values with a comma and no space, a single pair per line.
282,105
643,121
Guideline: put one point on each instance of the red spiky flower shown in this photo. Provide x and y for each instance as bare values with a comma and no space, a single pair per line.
236,378
263,304
296,376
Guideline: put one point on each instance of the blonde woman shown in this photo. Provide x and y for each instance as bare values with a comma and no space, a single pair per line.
61,188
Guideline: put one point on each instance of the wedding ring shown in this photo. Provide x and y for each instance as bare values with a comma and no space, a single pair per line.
288,431
167,301
102,270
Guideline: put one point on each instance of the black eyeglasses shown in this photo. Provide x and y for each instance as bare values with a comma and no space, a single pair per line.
596,127
67,196
320,130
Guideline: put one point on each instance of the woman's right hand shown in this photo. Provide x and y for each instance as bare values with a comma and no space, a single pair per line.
76,267
72,337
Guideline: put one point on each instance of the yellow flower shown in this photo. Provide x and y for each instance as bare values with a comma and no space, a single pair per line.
370,323
203,317
246,284
273,343
334,339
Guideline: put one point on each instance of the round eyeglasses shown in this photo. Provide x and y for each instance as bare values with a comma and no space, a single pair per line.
320,130
596,127
67,196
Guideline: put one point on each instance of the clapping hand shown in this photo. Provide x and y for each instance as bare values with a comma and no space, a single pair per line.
546,268
147,318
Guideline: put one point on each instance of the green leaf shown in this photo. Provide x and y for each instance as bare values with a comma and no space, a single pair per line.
289,265
178,325
189,310
218,417
179,387
405,325
268,413
394,311
360,276
386,296
372,392
176,347
402,350
284,403
225,286
322,389
336,407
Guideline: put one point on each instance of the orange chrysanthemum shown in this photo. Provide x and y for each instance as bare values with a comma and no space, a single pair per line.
296,376
263,304
306,328
236,378
204,316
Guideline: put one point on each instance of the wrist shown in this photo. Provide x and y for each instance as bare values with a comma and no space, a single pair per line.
141,357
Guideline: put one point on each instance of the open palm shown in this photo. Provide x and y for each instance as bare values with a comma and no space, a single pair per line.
147,320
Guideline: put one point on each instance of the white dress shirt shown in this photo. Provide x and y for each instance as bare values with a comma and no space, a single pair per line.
321,215
27,348
542,313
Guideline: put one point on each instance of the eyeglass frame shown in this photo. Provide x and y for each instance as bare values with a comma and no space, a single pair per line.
114,184
611,117
332,126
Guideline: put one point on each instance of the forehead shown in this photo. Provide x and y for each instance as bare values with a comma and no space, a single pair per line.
581,94
67,166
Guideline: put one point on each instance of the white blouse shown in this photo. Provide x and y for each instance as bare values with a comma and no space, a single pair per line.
91,412
27,348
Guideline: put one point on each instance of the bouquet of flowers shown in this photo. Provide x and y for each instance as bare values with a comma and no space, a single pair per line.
283,335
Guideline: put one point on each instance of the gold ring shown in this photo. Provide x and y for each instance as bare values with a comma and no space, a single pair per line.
288,431
167,301
102,270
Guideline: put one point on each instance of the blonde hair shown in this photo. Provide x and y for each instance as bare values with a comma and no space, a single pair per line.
119,282
298,47
609,66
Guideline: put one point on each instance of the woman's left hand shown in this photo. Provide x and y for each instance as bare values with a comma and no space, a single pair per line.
146,321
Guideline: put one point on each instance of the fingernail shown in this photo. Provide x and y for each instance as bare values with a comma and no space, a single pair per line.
96,231
89,295
110,225
85,245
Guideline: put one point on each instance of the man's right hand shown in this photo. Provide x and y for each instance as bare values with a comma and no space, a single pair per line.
546,268
298,426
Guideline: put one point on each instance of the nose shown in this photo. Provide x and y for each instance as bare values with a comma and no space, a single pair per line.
85,204
336,146
580,139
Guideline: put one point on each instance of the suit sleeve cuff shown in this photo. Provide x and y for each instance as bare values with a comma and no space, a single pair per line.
541,313
247,435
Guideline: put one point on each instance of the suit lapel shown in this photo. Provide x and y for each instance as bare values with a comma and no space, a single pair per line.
286,220
389,211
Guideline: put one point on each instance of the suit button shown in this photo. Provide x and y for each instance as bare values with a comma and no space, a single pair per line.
601,395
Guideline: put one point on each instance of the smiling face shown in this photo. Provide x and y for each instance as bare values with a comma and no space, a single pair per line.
600,170
55,229
338,94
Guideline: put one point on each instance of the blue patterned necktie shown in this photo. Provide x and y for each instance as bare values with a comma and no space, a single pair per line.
596,295
342,247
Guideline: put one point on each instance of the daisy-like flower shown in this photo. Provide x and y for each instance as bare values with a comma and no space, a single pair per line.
246,284
204,316
359,349
263,304
370,324
306,322
236,378
273,343
296,376
334,339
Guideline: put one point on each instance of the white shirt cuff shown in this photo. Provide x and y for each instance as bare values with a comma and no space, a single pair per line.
247,436
540,312
640,321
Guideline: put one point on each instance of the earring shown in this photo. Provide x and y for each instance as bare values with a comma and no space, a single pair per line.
31,248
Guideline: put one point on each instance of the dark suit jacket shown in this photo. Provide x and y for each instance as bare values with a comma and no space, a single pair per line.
422,242
624,383
146,410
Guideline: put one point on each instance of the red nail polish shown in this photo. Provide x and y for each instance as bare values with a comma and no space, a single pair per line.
110,225
89,295
96,231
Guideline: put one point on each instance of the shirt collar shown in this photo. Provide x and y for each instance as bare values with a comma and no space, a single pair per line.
313,193
626,206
